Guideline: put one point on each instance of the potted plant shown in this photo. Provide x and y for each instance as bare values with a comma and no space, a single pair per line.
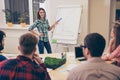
23,18
22,22
8,16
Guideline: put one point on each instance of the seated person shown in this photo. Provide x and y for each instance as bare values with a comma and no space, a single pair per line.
94,68
114,45
2,36
27,65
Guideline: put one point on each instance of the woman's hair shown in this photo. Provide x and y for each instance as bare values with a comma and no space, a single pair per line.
38,15
116,31
2,35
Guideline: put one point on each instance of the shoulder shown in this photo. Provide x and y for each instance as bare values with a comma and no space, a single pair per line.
1,55
77,72
9,63
79,69
2,58
85,67
7,68
82,71
113,68
37,21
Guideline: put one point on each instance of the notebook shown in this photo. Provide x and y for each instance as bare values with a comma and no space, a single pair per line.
79,54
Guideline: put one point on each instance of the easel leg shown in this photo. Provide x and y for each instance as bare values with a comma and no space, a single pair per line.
56,46
66,48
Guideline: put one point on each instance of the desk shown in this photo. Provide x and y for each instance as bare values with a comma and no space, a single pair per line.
61,72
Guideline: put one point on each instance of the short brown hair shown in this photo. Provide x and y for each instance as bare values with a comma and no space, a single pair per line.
28,43
95,42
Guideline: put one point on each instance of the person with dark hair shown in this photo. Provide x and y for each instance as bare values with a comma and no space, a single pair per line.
43,27
114,38
114,45
94,68
2,36
28,65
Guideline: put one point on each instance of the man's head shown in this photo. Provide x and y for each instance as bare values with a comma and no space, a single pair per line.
94,45
27,43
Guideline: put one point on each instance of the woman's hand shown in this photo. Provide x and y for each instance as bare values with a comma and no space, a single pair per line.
106,57
40,34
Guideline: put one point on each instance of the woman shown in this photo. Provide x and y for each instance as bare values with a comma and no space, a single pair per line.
43,27
2,36
114,45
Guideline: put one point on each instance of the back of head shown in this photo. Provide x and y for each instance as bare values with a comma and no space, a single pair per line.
2,35
95,44
28,43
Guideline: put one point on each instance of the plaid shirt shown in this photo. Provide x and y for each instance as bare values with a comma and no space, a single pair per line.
42,26
22,68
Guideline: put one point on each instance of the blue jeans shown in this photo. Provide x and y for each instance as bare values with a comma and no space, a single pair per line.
41,45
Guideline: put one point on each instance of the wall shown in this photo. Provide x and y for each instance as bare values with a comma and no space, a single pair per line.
12,39
118,5
2,18
99,16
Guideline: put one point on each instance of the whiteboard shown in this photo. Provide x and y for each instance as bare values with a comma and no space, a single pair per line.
66,31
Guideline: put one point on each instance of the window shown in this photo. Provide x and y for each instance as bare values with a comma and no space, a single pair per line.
118,10
35,9
117,14
18,11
